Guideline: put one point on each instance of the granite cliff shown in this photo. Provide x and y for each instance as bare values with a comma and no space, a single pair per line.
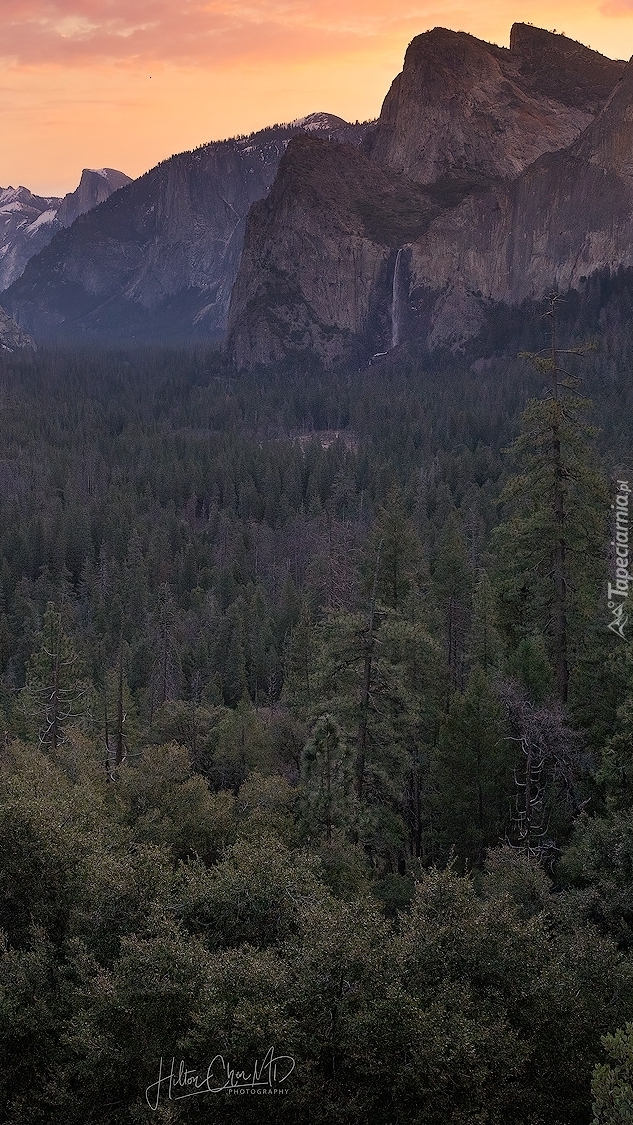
567,216
492,175
12,338
466,109
481,147
320,251
29,222
157,260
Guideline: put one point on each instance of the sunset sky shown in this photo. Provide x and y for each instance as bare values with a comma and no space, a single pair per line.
125,83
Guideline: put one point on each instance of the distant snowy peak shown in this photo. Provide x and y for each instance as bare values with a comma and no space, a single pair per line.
157,261
9,195
28,222
114,178
45,217
321,122
95,186
21,199
269,144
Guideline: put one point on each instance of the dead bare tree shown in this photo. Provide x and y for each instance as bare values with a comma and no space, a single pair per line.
115,746
545,771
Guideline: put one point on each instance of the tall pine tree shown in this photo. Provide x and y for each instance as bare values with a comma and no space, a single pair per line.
550,548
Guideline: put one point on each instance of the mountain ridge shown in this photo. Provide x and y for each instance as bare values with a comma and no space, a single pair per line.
492,175
29,222
468,122
159,261
566,217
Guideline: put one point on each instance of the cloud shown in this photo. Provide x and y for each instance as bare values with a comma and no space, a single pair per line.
617,8
196,31
222,32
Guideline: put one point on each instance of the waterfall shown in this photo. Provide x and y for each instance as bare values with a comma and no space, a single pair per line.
398,293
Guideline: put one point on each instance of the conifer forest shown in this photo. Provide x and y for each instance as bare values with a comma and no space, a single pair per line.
316,749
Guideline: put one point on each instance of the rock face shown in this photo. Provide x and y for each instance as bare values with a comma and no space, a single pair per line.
319,252
494,140
567,216
95,186
466,109
12,338
492,175
28,222
158,260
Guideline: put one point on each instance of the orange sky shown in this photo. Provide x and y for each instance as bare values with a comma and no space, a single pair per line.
125,83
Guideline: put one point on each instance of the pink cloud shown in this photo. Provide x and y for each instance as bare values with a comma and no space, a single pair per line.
617,8
203,31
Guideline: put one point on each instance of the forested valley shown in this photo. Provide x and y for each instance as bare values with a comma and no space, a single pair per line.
311,740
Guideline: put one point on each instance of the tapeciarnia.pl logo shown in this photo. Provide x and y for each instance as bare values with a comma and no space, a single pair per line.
618,585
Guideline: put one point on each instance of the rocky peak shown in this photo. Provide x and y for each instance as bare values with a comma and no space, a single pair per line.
608,141
562,68
320,122
468,110
95,185
29,222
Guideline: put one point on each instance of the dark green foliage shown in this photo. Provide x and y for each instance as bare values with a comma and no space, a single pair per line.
472,773
550,549
56,695
612,1085
599,864
327,778
310,734
396,551
165,803
449,1010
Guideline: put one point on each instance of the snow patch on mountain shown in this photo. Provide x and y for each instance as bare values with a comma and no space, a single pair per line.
319,122
45,217
28,222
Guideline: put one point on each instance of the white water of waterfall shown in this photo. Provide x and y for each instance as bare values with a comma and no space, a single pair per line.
397,294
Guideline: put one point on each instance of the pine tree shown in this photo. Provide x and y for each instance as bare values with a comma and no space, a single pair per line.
298,665
56,694
162,636
472,772
400,553
484,647
380,676
616,768
328,781
552,542
452,580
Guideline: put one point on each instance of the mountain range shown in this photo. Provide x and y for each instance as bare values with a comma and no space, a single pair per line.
491,159
157,260
492,175
29,222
